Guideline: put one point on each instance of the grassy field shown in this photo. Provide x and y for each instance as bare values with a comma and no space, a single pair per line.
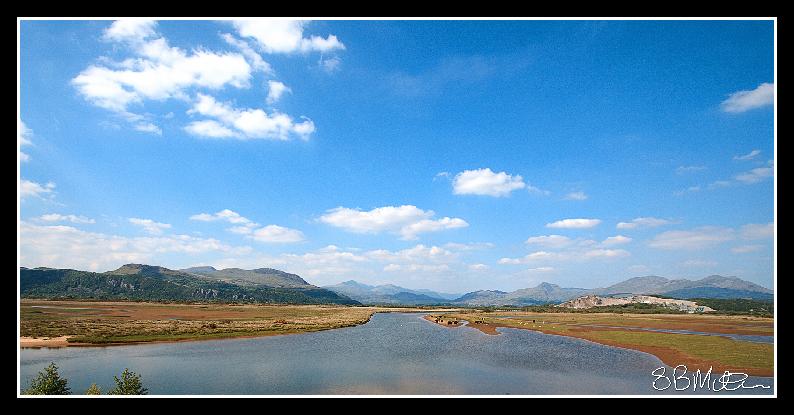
693,350
87,322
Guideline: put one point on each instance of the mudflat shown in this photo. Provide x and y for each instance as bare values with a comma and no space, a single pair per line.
45,323
693,350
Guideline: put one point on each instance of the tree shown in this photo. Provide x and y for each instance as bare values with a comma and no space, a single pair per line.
129,384
48,382
93,390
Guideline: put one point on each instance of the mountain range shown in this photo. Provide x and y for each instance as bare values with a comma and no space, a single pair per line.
267,285
714,286
152,283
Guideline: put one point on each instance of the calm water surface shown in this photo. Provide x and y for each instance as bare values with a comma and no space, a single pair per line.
398,353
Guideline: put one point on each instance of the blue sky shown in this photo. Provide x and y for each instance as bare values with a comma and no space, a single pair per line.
454,155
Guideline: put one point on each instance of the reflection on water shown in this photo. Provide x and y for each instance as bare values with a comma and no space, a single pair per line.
395,353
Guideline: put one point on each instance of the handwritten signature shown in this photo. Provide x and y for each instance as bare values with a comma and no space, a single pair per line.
728,381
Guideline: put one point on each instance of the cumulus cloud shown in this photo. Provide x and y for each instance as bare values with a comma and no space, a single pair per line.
253,58
28,189
275,90
407,220
67,247
695,239
245,123
749,156
576,196
286,36
478,267
277,234
742,101
616,240
574,223
150,226
647,222
485,182
56,217
550,241
156,71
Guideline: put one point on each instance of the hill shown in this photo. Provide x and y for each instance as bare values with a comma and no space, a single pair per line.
152,283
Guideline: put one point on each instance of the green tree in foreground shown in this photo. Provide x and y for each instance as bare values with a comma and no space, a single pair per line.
48,382
129,384
93,390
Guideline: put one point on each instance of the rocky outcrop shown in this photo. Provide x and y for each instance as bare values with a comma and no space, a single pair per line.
590,301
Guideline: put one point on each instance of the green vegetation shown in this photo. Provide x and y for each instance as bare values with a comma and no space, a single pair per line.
129,384
739,306
162,286
633,308
48,382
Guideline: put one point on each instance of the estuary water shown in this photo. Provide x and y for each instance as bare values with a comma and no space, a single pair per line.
395,353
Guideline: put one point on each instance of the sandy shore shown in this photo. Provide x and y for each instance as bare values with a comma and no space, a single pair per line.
35,342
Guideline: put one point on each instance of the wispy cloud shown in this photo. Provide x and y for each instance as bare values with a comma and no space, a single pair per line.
742,101
574,223
749,156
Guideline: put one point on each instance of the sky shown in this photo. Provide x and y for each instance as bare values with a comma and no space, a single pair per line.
447,155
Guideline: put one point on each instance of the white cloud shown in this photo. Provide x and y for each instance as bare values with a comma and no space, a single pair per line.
223,215
156,72
407,220
130,30
541,270
67,247
286,36
579,254
744,249
209,128
147,127
550,241
758,230
486,182
23,133
23,139
699,263
330,65
755,175
689,169
275,90
697,238
56,217
616,240
245,123
643,223
638,269
150,226
28,188
742,101
606,253
478,267
254,58
277,234
749,156
574,223
536,190
576,196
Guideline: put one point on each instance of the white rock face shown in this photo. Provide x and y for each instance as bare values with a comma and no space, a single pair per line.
589,301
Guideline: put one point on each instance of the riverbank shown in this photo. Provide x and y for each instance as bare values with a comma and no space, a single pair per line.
48,323
693,350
